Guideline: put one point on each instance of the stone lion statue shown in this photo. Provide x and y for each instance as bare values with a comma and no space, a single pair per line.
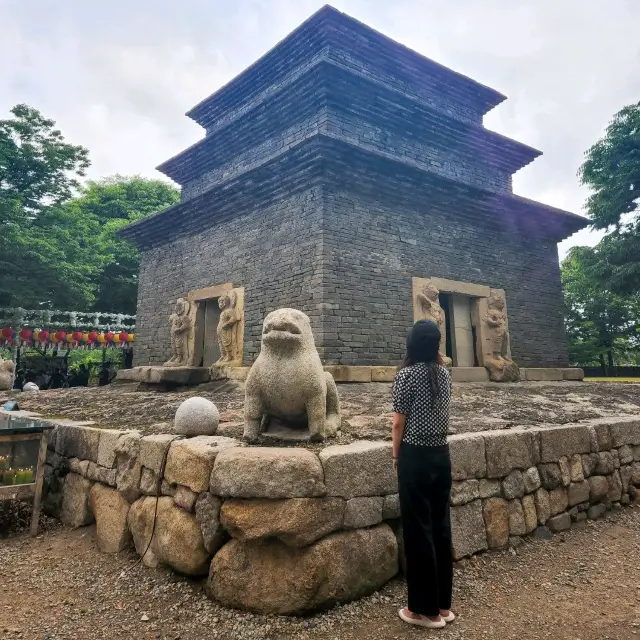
6,374
287,381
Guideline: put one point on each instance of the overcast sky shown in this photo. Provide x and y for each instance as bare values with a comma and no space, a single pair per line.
118,76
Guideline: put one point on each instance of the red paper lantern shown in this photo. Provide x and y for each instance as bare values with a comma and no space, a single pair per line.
25,334
60,336
8,333
124,337
108,337
77,336
43,335
93,336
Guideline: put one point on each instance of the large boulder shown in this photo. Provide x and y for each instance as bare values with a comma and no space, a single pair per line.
196,417
110,510
191,461
177,540
359,469
267,472
273,578
75,511
298,522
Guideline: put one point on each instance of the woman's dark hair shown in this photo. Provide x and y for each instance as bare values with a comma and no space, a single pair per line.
423,345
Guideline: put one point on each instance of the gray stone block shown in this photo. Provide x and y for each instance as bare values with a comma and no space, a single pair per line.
558,500
468,530
513,485
490,488
589,464
625,454
605,464
464,492
625,431
107,447
517,523
531,479
467,456
550,475
391,507
596,511
359,469
578,492
598,488
565,440
558,523
78,442
153,448
509,450
363,512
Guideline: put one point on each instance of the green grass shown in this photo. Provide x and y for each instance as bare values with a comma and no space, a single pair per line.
621,379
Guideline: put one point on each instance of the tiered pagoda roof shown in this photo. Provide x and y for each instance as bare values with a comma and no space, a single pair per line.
336,99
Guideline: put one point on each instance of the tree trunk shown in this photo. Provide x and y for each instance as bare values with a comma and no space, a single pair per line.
610,361
603,366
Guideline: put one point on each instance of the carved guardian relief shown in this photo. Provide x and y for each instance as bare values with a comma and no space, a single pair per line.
181,335
478,323
493,338
426,306
230,328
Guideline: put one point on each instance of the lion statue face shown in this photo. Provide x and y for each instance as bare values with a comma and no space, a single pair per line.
286,328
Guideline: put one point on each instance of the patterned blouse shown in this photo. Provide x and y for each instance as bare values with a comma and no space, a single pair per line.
427,422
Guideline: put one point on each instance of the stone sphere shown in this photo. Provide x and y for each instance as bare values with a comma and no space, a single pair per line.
31,386
196,417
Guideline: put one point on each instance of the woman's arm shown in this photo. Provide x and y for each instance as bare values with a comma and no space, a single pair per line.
397,431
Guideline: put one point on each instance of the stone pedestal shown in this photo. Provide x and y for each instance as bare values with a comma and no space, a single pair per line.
165,376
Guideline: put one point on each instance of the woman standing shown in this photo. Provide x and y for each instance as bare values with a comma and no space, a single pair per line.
421,398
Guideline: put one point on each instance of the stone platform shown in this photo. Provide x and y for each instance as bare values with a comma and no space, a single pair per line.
165,376
345,373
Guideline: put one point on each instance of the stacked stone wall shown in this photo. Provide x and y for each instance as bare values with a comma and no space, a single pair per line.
373,248
324,522
274,252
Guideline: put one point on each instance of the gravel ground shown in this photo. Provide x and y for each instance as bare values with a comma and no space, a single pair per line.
366,408
581,585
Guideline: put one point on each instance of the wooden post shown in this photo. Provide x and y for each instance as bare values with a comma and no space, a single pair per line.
37,498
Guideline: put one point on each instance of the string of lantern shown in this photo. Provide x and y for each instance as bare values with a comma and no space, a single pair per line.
44,338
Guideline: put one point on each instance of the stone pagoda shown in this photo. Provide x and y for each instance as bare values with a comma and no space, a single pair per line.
347,176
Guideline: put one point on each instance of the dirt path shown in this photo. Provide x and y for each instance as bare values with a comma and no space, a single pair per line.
582,585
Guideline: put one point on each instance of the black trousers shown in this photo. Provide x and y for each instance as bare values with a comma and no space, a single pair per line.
424,484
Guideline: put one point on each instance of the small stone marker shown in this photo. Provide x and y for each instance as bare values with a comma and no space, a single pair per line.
196,417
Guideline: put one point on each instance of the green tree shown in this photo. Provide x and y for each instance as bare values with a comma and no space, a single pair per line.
602,326
40,253
58,244
612,172
113,203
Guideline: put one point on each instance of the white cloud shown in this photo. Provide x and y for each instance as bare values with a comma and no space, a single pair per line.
118,77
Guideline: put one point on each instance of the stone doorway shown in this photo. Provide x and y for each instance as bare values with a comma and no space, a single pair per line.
206,316
461,309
